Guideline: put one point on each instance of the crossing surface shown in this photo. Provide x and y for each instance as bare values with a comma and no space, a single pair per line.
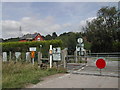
84,75
78,81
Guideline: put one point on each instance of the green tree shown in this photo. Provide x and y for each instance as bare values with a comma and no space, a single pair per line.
48,37
54,35
103,30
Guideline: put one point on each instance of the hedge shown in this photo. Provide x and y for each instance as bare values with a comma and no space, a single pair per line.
24,46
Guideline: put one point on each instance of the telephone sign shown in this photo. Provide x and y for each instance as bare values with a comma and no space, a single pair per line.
32,48
57,54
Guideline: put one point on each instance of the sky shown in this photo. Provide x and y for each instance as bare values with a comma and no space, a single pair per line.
47,17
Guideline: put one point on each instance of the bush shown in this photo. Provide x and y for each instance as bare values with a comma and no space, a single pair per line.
18,75
24,46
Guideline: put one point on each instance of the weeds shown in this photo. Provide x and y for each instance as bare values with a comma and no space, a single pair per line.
18,75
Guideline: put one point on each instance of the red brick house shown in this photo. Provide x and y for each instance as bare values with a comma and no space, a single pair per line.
31,37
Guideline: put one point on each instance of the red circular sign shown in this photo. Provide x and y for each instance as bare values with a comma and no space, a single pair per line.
100,63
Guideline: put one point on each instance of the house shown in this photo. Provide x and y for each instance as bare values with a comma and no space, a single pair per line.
31,37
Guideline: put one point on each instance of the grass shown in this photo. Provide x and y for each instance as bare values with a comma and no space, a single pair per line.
18,75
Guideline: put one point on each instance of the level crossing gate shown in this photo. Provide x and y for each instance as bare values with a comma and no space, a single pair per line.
86,65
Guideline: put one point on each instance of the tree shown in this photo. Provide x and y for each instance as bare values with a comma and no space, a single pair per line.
102,31
54,35
11,39
48,37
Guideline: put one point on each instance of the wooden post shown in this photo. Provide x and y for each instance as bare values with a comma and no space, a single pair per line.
9,56
39,58
64,55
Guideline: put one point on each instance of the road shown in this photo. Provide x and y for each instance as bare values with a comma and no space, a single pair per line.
78,81
83,77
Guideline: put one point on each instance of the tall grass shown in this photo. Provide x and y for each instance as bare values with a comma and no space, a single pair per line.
18,75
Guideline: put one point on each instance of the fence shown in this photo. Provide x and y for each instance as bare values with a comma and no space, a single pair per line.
112,64
114,54
26,57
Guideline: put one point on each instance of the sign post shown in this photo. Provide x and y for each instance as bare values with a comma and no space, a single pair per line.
50,52
79,49
32,49
100,63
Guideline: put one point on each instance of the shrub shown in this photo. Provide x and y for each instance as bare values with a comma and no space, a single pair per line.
24,46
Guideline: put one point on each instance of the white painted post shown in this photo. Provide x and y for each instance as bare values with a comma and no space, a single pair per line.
50,56
76,59
4,56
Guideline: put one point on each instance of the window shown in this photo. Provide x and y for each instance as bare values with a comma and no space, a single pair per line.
38,39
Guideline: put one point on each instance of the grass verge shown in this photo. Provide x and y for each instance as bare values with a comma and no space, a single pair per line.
18,75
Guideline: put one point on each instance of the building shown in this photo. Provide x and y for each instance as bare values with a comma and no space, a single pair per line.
31,37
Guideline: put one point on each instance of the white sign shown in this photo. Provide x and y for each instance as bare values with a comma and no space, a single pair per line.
4,56
32,49
56,57
78,49
17,54
57,50
82,45
82,49
80,40
57,54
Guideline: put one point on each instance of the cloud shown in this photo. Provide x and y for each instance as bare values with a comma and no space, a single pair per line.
10,28
67,25
47,25
78,27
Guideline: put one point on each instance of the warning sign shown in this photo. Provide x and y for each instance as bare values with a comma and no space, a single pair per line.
32,54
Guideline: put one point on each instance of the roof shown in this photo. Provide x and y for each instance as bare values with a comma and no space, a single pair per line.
29,36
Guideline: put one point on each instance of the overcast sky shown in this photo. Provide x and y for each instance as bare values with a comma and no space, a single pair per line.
47,17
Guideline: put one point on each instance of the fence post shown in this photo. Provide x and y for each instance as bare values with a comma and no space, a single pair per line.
10,56
39,58
64,55
4,56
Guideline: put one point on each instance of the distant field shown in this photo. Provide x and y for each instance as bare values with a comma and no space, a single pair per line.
18,75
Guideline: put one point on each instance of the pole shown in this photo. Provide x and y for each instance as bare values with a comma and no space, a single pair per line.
50,56
76,55
100,72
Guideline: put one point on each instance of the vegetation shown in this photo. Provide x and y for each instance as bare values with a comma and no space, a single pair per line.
100,35
24,46
18,75
11,39
103,32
